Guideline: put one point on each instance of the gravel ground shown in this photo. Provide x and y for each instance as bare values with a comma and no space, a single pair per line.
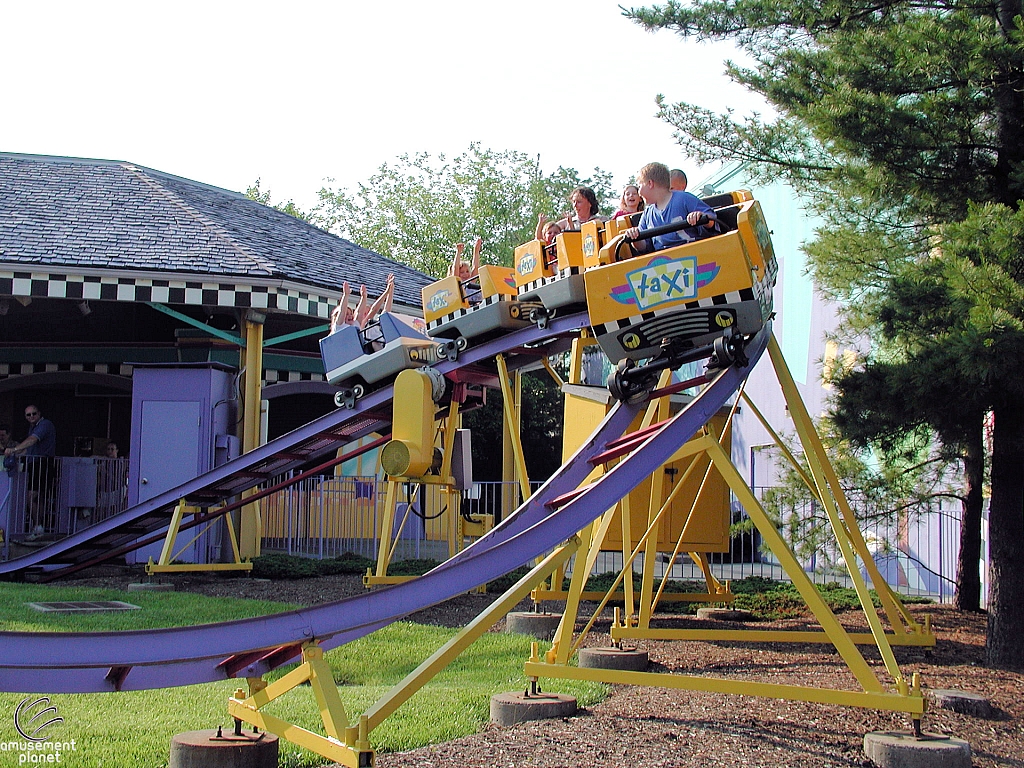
661,727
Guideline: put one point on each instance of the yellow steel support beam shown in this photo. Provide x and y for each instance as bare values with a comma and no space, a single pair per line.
759,636
452,498
166,564
552,373
345,745
840,515
858,666
250,529
564,630
172,531
780,443
542,595
628,558
387,526
510,404
891,604
873,694
656,509
441,658
910,701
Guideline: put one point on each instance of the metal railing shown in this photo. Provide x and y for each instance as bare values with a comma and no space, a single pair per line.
45,499
330,515
917,556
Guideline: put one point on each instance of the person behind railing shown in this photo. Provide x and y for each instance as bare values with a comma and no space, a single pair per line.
40,446
110,479
364,312
343,314
667,207
373,335
468,272
677,180
547,231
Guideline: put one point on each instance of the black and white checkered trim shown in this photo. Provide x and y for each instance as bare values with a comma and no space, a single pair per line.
281,377
62,285
541,281
11,370
763,289
459,313
732,297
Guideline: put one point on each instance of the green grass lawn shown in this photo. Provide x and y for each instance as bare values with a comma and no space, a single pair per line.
135,728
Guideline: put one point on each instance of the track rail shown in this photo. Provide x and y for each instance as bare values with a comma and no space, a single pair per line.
92,662
121,533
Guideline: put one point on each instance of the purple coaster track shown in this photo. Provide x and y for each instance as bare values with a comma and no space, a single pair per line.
93,662
120,534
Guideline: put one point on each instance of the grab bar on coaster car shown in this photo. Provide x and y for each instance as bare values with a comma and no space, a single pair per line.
664,229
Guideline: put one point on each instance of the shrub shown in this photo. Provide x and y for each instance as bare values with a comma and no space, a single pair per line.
412,567
279,566
346,563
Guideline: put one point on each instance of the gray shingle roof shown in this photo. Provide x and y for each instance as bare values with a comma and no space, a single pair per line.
59,212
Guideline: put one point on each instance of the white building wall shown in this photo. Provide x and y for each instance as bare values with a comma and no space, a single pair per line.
802,321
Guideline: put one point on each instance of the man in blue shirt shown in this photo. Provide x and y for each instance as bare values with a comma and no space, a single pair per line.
42,436
663,206
41,470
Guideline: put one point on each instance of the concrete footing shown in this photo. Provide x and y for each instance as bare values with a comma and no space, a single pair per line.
511,708
207,749
902,749
629,659
964,702
151,586
724,614
540,625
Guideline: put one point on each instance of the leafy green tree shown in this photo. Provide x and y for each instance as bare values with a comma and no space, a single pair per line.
415,209
253,192
540,428
901,121
869,415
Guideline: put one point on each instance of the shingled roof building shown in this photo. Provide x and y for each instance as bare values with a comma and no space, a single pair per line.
104,264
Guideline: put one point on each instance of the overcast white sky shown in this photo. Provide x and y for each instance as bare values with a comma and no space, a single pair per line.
294,93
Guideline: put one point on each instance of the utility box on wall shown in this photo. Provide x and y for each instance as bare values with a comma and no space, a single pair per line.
183,419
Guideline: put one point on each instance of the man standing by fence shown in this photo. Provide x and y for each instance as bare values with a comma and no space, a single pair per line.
41,469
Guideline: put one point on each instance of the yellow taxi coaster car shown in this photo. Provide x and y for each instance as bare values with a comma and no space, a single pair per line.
461,311
553,275
687,296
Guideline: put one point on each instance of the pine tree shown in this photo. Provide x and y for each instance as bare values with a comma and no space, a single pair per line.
901,122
